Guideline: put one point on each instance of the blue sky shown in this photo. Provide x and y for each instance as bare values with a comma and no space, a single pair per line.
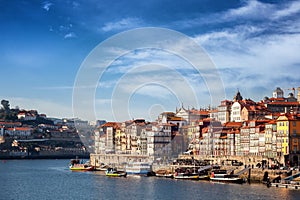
254,45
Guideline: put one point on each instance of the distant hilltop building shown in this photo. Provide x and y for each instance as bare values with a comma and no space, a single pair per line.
280,104
278,93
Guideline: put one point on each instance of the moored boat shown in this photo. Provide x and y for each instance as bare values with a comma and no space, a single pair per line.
192,176
115,173
164,173
223,176
138,168
77,165
189,174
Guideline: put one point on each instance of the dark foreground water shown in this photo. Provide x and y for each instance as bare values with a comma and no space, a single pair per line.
51,179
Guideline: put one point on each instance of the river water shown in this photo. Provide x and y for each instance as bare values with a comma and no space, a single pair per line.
51,179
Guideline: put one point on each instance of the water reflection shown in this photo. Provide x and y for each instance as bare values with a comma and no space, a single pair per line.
46,179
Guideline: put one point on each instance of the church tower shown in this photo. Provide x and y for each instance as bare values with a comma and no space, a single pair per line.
238,96
278,93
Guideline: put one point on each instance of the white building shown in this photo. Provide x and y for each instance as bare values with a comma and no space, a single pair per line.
19,131
236,112
224,111
159,140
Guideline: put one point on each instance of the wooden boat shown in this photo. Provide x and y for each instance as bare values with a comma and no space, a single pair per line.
115,173
223,176
77,165
164,174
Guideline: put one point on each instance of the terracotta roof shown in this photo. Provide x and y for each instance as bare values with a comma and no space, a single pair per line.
115,125
233,124
199,112
11,123
285,103
276,99
272,122
176,119
20,129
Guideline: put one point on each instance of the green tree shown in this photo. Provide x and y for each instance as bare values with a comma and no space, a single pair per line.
6,113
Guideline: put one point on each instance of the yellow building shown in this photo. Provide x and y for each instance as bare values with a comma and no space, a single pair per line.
118,140
283,133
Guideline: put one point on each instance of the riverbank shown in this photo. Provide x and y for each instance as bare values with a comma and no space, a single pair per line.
44,155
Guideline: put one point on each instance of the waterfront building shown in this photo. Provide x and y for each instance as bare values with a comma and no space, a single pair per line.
205,143
261,141
134,131
213,114
193,137
231,134
191,115
159,141
183,113
257,138
165,117
245,139
118,145
236,110
237,143
180,122
224,111
270,139
294,134
283,134
107,134
288,127
217,140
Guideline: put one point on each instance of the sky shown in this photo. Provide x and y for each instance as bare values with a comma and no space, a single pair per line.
254,46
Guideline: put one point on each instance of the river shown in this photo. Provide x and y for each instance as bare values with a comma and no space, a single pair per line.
51,179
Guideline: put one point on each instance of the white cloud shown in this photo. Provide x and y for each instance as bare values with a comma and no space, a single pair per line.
70,35
154,91
47,5
289,10
126,23
252,9
254,62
